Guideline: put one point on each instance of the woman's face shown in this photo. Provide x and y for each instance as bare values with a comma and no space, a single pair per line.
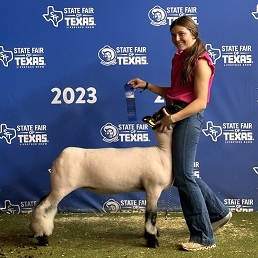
182,38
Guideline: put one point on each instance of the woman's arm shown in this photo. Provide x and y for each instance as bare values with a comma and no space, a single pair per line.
139,83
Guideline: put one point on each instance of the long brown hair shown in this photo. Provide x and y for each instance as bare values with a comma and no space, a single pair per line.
192,52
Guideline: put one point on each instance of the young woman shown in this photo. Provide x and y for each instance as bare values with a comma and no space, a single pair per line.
191,79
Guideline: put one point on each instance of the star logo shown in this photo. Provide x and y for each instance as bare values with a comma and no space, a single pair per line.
255,170
255,14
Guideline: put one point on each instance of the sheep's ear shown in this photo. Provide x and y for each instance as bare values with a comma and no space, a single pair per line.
150,122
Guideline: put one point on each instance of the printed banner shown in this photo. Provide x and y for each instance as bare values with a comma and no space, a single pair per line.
63,67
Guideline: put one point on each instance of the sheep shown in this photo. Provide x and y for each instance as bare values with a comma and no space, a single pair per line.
108,171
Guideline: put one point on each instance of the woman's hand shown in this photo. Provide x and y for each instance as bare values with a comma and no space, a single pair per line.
137,83
166,123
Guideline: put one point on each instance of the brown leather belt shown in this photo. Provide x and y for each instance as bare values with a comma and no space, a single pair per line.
170,102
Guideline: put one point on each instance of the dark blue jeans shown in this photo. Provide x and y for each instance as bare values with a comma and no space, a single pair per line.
200,205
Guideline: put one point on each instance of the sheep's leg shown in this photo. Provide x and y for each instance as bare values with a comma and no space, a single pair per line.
62,183
42,219
151,233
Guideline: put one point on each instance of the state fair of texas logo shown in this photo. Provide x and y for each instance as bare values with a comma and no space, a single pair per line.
123,55
238,132
24,57
161,16
231,55
74,17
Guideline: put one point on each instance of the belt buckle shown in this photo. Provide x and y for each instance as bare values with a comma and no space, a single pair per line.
169,102
176,108
172,107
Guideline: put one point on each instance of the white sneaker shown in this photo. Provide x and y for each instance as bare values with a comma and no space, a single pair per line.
220,223
190,246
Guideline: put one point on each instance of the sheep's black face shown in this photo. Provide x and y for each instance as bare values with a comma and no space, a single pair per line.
151,120
160,114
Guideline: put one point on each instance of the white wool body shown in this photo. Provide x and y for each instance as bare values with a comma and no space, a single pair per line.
108,171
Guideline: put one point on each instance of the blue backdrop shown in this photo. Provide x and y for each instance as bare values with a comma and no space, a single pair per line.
63,65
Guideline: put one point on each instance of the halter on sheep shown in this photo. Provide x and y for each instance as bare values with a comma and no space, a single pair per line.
108,171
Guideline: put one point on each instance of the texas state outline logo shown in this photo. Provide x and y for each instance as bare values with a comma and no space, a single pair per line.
212,131
53,16
214,53
6,56
6,133
10,208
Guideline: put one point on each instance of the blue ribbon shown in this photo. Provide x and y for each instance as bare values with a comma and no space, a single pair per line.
130,102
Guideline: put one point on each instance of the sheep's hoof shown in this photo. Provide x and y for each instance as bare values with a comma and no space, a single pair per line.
152,242
151,239
147,235
43,240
